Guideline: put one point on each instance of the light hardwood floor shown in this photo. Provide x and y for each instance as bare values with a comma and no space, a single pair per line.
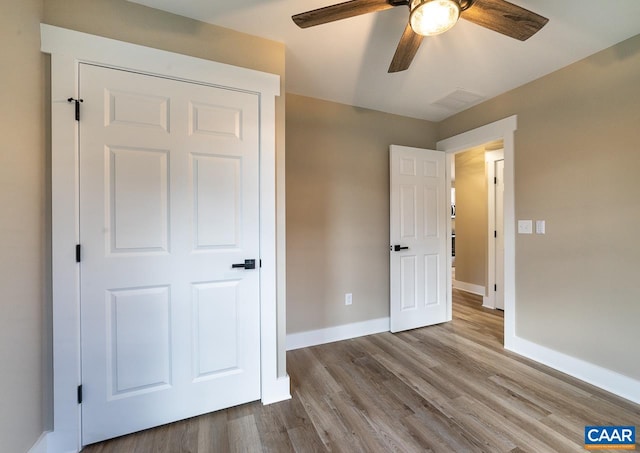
447,388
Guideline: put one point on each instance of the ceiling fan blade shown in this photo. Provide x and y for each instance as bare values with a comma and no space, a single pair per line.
406,50
340,11
505,18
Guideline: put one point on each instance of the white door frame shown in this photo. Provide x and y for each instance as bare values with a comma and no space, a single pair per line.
68,49
500,130
490,158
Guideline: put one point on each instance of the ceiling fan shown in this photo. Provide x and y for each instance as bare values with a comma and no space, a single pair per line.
432,17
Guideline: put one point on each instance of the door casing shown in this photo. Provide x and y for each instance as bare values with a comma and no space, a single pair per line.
499,130
68,49
491,157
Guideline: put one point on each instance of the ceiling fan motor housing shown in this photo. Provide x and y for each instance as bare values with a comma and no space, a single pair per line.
432,17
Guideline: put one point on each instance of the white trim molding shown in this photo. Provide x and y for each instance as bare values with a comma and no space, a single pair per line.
279,390
469,287
68,49
603,378
490,158
499,130
41,445
336,333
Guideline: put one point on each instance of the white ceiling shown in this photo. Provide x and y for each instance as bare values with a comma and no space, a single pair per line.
347,61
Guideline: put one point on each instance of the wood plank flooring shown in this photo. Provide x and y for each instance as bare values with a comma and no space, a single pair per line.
447,388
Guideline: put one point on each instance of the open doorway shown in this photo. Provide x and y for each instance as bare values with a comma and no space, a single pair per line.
477,227
504,130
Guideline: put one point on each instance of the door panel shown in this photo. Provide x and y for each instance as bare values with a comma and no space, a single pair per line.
418,296
431,275
168,202
215,319
408,283
430,221
408,212
217,191
138,220
139,330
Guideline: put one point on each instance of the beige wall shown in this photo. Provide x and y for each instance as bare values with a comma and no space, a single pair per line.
471,217
338,209
23,205
577,160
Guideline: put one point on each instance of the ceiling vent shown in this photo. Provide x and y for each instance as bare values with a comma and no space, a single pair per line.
459,100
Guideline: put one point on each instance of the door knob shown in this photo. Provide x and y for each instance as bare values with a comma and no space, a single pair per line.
397,248
248,264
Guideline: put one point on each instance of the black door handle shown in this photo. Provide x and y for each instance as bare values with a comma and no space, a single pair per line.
248,264
397,248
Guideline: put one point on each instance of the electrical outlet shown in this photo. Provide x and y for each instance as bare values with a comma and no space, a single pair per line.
348,299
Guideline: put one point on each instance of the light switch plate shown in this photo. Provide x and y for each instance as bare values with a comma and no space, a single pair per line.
525,226
540,226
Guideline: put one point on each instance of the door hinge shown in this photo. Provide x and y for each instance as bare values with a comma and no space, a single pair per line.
260,263
495,233
495,287
77,253
77,103
80,394
495,180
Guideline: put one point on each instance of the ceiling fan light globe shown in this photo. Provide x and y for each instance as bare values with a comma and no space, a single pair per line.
432,17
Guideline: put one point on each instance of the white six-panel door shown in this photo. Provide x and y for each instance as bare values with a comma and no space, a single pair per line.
168,203
418,238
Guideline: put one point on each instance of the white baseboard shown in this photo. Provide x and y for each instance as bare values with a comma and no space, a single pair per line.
487,302
469,287
603,378
337,333
280,392
41,444
49,442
